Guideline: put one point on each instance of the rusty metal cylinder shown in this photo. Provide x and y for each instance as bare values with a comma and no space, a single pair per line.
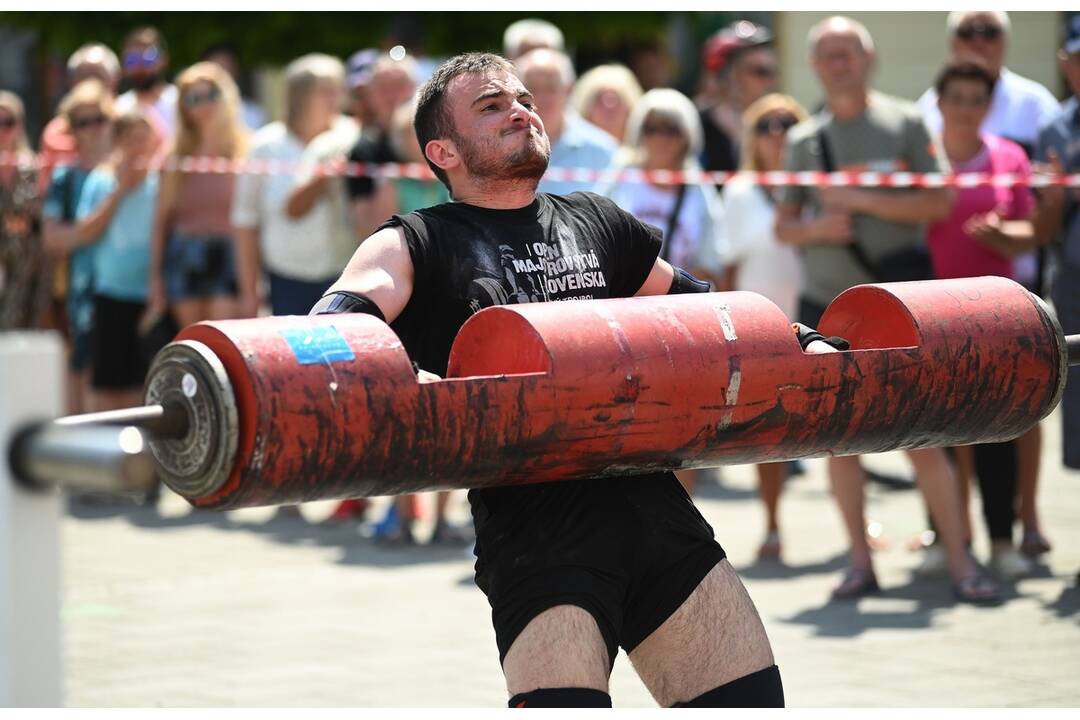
329,406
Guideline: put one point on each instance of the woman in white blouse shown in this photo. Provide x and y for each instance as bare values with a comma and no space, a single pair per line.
664,132
758,261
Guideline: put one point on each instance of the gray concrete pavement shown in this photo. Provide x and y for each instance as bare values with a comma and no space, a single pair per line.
179,609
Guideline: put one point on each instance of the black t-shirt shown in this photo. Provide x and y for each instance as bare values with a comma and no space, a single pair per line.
370,148
467,258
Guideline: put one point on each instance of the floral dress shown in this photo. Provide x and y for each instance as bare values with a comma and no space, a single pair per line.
24,270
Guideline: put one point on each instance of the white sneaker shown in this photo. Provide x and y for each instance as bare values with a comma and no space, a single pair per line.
1010,564
935,561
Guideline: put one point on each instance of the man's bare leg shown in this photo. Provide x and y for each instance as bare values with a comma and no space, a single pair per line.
847,478
715,637
560,648
940,489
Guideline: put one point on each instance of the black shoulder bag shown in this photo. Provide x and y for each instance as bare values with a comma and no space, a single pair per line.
911,263
665,249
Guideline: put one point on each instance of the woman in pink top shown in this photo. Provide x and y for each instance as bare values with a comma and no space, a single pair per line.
192,264
987,228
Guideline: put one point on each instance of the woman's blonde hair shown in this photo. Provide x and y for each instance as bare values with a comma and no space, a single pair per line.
14,104
605,77
763,106
230,128
88,92
676,108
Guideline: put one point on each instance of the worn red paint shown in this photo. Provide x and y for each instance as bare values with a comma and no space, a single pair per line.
566,390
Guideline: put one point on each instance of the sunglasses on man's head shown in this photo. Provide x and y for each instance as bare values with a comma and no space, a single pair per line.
775,125
195,99
141,58
88,121
987,31
6,123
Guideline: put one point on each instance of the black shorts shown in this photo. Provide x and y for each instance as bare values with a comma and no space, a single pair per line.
628,550
119,363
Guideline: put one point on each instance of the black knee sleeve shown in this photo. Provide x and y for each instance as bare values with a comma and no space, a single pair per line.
762,689
561,698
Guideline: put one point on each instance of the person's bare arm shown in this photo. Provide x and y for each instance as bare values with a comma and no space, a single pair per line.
382,269
93,226
248,261
830,228
659,280
911,206
1009,238
304,196
158,238
1050,210
58,237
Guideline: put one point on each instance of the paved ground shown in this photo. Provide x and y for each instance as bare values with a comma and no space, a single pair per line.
168,608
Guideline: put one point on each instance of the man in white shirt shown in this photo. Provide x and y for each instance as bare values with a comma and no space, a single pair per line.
1020,105
301,252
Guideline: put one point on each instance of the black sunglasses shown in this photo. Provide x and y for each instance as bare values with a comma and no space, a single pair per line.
775,125
986,31
88,122
660,129
192,100
8,123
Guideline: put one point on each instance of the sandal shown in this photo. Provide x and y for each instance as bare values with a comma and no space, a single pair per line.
1034,544
976,589
856,583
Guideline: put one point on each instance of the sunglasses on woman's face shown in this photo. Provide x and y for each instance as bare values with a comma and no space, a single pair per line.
195,99
8,122
663,129
775,125
986,31
134,59
88,121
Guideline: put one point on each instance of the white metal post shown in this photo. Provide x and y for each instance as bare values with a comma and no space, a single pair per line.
31,388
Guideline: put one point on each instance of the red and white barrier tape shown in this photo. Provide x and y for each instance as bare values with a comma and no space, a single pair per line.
395,171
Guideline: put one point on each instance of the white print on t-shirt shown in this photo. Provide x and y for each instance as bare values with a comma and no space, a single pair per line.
551,270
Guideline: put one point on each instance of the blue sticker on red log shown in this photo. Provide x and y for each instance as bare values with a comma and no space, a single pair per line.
319,344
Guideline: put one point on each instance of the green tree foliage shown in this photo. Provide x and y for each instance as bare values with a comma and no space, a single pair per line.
274,38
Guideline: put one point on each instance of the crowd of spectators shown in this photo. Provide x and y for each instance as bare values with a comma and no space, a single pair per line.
98,242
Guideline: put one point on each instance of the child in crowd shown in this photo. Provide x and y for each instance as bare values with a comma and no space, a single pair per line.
116,213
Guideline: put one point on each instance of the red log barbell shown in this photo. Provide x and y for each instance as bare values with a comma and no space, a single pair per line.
290,409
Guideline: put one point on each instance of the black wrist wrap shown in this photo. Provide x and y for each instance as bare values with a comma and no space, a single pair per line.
346,302
684,282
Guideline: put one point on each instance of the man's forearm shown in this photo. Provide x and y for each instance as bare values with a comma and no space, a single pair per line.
912,206
1048,221
303,198
247,260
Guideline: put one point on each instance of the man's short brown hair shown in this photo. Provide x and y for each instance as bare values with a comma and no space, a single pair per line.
433,119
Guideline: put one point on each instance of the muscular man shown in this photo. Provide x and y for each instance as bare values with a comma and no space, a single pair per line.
572,570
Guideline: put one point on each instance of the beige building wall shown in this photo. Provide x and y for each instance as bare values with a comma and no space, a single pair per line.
912,47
